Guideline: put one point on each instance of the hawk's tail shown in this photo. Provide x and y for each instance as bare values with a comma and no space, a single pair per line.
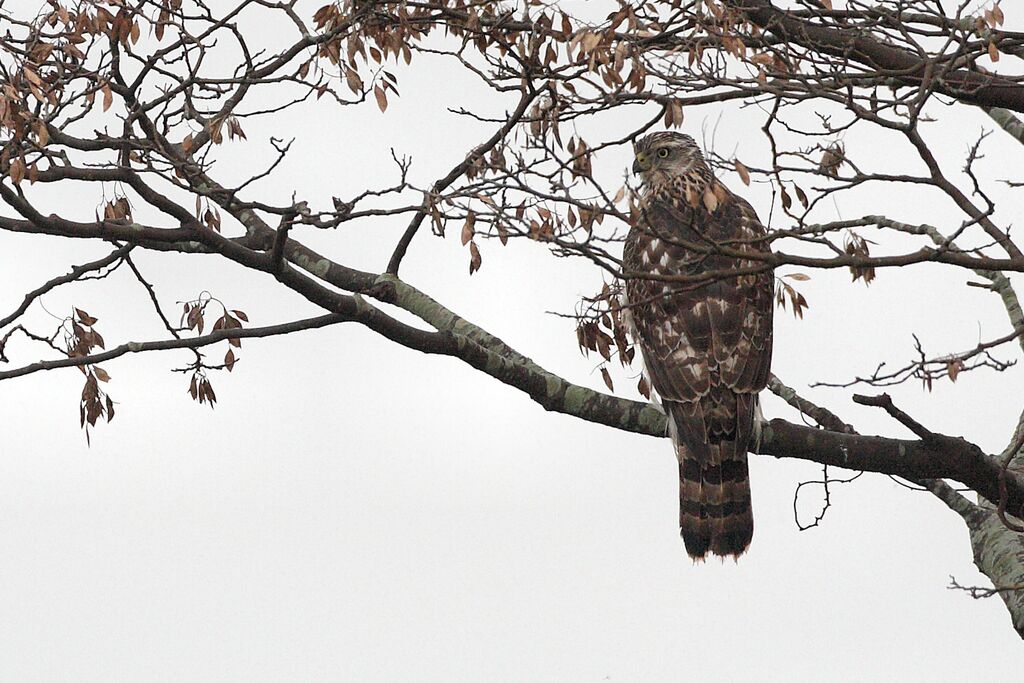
714,501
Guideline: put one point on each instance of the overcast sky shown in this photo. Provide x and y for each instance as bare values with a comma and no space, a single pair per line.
353,510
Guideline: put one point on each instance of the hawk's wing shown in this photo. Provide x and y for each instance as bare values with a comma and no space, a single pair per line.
691,331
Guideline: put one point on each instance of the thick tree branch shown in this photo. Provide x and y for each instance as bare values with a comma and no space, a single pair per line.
911,69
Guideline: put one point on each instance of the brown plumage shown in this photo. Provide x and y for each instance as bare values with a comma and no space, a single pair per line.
706,343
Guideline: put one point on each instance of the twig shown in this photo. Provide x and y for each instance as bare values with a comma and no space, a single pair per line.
884,401
167,344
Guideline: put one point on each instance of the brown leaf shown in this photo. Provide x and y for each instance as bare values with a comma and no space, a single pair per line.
468,229
787,202
17,171
210,396
604,345
800,195
354,82
644,388
85,318
953,368
474,258
799,304
161,25
832,159
214,129
742,170
100,373
382,98
606,376
42,133
993,52
195,318
108,96
229,360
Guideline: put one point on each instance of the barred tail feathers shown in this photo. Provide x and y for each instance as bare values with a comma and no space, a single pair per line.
714,488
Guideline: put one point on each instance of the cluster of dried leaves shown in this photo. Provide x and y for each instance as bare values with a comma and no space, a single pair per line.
80,339
193,317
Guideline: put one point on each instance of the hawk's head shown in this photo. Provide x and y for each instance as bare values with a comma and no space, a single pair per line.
663,156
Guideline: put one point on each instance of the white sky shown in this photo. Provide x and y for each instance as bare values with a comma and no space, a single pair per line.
353,510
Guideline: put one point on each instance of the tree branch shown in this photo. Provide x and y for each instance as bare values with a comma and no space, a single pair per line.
911,69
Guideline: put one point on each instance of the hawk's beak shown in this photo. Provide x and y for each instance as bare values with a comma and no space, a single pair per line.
641,163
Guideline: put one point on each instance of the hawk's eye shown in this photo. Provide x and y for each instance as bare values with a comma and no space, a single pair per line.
663,152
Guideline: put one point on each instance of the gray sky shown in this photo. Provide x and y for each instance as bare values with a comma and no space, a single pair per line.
353,510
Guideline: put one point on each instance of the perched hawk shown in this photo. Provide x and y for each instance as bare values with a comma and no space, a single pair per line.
706,342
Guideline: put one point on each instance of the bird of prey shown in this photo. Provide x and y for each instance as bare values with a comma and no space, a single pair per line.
702,317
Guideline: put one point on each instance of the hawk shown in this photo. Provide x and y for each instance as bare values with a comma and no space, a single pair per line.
705,334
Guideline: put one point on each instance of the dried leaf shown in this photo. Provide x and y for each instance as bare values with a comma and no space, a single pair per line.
953,368
85,318
742,170
644,388
42,133
606,376
382,98
208,388
800,195
474,258
161,25
832,159
354,82
468,229
17,171
787,202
